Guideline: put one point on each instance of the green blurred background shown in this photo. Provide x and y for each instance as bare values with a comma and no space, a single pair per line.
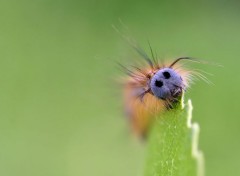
60,110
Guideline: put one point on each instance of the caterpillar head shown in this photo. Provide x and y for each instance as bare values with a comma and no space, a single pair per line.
166,83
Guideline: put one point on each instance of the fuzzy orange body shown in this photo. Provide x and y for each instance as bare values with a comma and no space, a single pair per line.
141,112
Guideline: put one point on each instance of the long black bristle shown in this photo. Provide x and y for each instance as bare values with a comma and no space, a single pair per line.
184,58
145,56
154,58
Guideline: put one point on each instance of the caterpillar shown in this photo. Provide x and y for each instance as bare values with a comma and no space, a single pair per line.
153,88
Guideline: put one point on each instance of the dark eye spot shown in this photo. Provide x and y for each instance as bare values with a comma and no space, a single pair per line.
158,83
166,75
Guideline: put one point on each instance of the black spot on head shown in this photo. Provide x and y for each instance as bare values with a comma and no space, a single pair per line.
158,83
166,75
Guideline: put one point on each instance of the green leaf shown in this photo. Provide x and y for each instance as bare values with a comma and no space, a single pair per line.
173,145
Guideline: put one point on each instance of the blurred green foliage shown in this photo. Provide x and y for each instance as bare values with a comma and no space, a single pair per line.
60,110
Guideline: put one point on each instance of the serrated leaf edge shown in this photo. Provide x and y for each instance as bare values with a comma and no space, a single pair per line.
196,153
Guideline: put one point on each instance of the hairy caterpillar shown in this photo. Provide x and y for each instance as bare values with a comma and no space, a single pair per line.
153,88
